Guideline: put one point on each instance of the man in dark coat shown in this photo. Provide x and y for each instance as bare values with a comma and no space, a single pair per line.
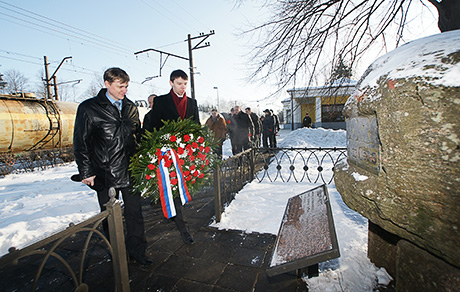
257,127
306,122
277,127
231,129
106,132
173,106
268,132
244,130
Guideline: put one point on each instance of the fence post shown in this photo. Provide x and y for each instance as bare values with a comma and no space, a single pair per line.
217,194
251,164
117,241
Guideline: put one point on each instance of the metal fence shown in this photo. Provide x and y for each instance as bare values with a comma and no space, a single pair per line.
62,261
312,165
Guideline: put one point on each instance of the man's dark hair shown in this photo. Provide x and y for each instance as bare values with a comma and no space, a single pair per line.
248,108
178,73
114,73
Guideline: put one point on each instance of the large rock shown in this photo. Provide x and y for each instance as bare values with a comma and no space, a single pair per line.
403,134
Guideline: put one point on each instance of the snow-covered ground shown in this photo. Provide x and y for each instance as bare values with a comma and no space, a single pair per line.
35,205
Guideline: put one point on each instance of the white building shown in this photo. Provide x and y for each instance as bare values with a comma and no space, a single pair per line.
324,104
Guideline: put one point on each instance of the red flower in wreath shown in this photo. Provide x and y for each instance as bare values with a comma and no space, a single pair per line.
172,174
174,181
191,158
192,167
158,153
180,151
194,145
148,177
207,149
173,138
186,138
201,140
151,166
201,175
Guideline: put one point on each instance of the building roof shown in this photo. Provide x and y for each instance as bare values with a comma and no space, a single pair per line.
342,86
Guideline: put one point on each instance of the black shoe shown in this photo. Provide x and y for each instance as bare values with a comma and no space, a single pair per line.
187,238
143,260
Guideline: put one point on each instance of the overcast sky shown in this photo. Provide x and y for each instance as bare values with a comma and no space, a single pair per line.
102,34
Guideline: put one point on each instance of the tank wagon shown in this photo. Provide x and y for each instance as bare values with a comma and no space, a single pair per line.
30,124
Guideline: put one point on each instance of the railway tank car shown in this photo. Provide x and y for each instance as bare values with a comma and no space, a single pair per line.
29,124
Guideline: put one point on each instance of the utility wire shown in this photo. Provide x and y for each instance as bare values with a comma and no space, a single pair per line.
75,30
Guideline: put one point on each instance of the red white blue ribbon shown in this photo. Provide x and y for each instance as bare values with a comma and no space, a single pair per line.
164,184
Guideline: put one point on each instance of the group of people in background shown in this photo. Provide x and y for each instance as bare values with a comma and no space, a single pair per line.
244,129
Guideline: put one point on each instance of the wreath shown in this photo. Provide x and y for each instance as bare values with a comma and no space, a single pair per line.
175,160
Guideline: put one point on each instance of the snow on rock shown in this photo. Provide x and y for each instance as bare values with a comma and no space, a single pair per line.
430,58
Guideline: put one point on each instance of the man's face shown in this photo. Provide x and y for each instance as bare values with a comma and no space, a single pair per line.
236,110
179,86
248,111
214,114
117,89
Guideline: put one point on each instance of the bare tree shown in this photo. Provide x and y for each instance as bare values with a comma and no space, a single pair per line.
15,81
306,37
95,86
2,82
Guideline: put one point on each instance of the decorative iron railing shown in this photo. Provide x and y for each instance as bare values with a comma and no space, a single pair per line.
312,165
54,264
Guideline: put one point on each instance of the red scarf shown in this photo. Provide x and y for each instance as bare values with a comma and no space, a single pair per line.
181,105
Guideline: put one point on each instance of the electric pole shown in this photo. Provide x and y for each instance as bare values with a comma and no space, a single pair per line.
53,77
199,45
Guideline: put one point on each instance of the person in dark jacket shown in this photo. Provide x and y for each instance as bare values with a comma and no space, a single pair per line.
244,130
231,129
173,106
106,133
268,132
277,127
306,122
257,126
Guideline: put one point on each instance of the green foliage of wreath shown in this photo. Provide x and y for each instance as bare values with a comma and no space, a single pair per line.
194,145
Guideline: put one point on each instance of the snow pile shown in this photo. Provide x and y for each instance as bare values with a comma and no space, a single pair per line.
312,138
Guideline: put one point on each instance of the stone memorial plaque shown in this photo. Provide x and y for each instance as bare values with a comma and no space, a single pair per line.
363,143
307,234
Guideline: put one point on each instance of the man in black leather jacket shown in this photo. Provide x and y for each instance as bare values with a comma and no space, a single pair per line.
106,132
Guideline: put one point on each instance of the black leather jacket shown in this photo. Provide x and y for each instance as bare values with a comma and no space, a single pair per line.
105,139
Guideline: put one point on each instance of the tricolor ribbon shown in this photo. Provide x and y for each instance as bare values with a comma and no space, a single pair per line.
164,184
